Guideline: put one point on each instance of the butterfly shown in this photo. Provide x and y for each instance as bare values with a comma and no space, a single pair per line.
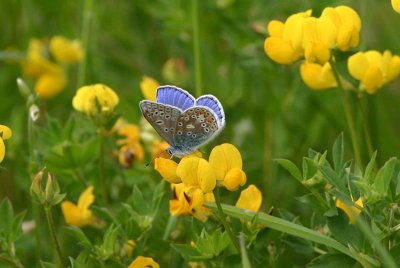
184,122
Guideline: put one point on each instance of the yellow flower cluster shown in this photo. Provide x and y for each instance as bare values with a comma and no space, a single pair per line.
79,215
193,180
50,75
304,36
131,149
95,99
5,133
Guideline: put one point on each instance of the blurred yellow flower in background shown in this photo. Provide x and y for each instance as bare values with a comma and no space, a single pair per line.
51,76
352,212
66,51
89,98
5,133
318,76
174,71
143,262
79,215
396,5
374,69
285,44
159,149
149,86
131,148
226,161
250,198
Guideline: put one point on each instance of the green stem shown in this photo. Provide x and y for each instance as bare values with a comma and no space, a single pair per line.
50,222
87,17
222,218
170,225
282,226
366,128
102,179
196,47
243,252
347,110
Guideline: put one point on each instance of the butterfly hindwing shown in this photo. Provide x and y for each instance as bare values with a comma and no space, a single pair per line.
163,118
213,103
175,96
195,127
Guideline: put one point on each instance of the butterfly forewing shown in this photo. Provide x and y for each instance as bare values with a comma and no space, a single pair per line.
195,127
163,118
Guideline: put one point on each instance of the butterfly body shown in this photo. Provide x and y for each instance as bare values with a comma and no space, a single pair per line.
184,122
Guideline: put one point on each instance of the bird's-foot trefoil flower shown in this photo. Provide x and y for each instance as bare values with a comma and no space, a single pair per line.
142,262
149,86
351,211
5,134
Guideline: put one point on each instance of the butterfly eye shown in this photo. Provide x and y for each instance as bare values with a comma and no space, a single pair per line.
169,151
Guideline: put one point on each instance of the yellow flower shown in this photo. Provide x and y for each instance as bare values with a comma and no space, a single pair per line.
348,26
396,5
250,198
167,169
143,262
318,38
50,84
226,161
65,50
5,133
132,149
374,69
36,63
130,247
197,172
159,149
79,215
149,86
351,211
318,76
189,200
89,98
285,44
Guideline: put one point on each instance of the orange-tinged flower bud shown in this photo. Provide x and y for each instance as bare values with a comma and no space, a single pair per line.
352,212
141,262
318,76
149,86
250,198
65,50
167,169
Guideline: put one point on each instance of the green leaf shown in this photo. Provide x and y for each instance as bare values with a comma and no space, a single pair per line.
343,231
109,242
291,167
384,176
338,153
7,214
332,260
188,252
333,178
369,169
139,203
47,265
80,236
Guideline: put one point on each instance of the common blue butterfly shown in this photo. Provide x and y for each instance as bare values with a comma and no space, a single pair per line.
184,122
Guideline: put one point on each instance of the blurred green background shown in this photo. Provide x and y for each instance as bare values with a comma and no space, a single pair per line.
270,112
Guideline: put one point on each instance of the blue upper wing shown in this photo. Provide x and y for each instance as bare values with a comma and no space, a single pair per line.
175,96
214,104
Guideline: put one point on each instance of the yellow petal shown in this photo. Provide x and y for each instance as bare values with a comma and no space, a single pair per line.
393,68
130,131
275,28
5,132
167,169
149,86
250,198
280,50
2,150
317,51
234,179
86,198
72,214
195,171
396,5
88,98
352,212
50,84
357,65
180,204
317,76
293,31
130,247
143,262
373,79
223,158
65,50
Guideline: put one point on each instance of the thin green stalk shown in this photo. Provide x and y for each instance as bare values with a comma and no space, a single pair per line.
87,17
366,127
222,218
282,226
349,117
243,252
170,225
50,222
196,47
102,178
